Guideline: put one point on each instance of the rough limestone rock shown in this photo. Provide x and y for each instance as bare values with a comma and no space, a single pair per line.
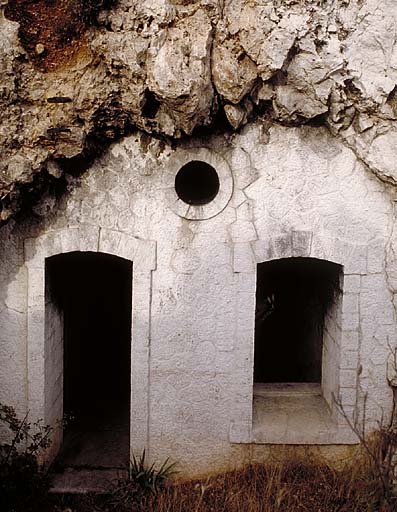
75,75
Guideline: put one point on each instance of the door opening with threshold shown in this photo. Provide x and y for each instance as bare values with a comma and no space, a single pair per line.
297,327
92,294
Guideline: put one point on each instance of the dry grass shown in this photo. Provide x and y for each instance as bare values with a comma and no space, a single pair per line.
296,486
299,486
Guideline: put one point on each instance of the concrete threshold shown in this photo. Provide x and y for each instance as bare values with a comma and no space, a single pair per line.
287,389
86,480
295,413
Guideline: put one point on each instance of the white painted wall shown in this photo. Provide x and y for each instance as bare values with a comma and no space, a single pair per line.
286,192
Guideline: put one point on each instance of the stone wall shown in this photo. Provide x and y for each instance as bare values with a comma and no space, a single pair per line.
284,192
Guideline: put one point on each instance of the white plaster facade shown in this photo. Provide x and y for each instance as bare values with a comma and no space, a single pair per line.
288,192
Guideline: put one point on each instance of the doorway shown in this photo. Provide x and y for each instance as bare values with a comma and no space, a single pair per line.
92,294
293,298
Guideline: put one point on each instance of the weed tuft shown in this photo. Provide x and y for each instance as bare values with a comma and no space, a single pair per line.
149,478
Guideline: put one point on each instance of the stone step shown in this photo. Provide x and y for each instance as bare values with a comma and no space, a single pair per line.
87,480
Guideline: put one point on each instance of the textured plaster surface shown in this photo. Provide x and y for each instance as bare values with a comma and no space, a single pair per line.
168,67
296,192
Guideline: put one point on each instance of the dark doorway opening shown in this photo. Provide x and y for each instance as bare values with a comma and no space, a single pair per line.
293,296
93,291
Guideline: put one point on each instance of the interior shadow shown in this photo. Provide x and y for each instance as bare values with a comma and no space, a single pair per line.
93,291
293,296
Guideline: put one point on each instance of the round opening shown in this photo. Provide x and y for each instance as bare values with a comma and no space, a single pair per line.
197,183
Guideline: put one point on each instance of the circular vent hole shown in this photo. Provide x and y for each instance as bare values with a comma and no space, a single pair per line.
197,183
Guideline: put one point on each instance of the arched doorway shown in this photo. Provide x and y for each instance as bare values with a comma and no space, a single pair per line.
294,302
88,337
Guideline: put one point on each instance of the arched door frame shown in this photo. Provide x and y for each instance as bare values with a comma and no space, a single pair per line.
353,259
39,371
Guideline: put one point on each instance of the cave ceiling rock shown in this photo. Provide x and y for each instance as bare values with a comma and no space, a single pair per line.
179,71
167,67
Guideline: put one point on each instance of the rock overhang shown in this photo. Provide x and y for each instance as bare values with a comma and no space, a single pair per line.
170,69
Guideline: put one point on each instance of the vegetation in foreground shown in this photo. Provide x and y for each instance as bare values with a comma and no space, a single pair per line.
296,485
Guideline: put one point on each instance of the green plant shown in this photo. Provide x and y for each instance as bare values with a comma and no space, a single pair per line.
142,482
23,483
149,478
